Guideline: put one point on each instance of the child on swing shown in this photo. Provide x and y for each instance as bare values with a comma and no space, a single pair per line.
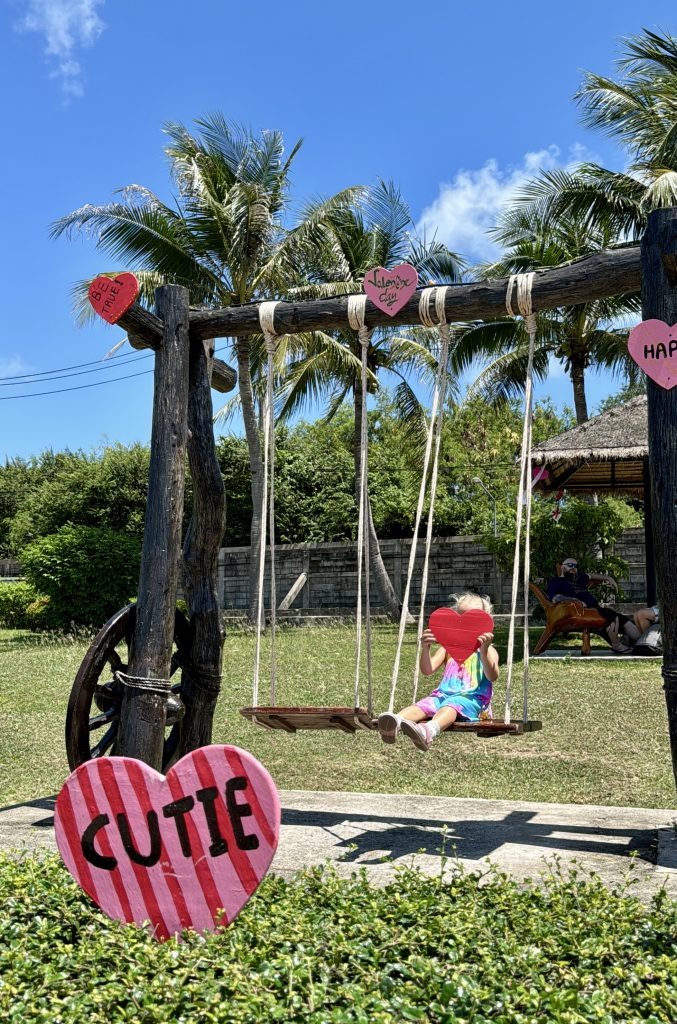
464,691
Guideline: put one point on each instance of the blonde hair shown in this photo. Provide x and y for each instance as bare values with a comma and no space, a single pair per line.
470,600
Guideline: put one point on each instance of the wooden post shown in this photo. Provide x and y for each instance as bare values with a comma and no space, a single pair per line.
143,712
659,301
649,549
293,592
202,678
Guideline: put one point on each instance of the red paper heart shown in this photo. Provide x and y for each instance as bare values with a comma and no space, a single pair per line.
390,290
653,346
111,297
458,634
142,856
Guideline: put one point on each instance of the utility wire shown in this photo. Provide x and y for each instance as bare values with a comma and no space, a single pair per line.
60,376
77,366
80,387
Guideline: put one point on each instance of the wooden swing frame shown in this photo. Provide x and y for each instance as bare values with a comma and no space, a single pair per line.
653,269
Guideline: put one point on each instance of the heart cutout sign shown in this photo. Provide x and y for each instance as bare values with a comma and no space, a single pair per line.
458,634
111,297
182,851
653,346
390,290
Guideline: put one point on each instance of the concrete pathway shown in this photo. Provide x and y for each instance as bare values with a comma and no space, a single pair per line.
379,831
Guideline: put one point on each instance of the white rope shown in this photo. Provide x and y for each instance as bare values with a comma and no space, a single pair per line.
444,354
440,384
524,283
356,310
267,321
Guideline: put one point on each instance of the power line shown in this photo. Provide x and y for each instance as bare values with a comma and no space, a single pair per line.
79,387
76,366
60,376
126,357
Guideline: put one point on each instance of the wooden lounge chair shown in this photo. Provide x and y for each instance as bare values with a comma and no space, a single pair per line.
567,617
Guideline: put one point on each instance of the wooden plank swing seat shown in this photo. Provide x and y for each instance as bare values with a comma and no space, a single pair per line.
293,719
351,720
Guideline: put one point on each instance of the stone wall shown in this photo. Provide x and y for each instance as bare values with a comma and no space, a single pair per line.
456,564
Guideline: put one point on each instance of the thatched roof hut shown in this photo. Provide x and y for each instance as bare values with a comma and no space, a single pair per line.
607,453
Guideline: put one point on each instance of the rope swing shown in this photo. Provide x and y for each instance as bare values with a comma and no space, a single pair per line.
434,435
524,283
267,321
350,719
290,719
356,309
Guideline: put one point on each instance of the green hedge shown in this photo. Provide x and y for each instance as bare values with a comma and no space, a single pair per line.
321,949
87,573
15,601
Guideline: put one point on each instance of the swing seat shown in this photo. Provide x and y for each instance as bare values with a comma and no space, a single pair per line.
495,727
293,719
350,720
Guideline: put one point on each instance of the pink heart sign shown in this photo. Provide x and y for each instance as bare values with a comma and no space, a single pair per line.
111,297
182,851
459,634
653,346
390,290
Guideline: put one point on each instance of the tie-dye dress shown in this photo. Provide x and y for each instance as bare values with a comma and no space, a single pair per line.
464,687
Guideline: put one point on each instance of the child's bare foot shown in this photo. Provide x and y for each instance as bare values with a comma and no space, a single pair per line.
388,725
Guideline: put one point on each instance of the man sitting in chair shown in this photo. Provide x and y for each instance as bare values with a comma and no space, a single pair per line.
571,584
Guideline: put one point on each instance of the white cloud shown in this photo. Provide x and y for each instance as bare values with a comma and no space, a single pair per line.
469,205
66,26
14,366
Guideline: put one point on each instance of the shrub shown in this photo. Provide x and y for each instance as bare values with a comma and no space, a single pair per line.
86,572
15,602
471,948
584,531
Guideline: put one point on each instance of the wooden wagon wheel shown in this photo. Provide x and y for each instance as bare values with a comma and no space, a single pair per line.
93,715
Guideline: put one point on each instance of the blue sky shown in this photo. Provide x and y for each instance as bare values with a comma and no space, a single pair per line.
456,102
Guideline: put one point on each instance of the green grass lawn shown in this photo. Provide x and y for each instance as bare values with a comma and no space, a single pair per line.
604,737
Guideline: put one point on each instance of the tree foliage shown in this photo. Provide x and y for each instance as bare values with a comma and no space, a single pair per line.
107,488
87,573
314,481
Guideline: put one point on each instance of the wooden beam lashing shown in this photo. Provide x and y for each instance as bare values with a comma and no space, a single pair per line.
612,272
143,711
659,302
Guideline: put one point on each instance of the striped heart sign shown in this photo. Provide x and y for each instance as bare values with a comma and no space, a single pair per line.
182,851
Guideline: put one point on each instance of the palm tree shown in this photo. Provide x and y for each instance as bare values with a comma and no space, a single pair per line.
224,239
639,111
323,367
579,336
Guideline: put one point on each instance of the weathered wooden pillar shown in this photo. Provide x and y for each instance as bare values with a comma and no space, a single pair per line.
659,301
649,546
143,712
201,679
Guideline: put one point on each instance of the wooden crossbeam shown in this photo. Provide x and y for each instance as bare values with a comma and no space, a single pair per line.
611,272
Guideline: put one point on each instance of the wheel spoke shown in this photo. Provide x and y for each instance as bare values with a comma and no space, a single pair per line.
116,662
112,715
106,741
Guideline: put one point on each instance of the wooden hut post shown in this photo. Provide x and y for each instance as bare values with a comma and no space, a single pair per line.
143,712
659,301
